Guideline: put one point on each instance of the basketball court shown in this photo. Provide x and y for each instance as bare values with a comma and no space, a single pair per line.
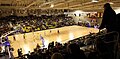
28,41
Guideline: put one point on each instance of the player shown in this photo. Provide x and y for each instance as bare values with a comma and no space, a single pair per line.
43,41
58,31
50,31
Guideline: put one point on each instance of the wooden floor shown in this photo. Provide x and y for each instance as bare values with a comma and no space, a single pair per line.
31,39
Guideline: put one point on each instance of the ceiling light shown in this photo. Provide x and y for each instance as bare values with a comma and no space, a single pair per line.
94,0
39,6
111,2
52,6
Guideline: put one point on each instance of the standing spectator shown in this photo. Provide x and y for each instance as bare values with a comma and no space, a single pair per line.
109,18
118,25
109,22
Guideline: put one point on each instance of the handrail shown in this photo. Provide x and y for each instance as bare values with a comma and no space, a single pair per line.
115,39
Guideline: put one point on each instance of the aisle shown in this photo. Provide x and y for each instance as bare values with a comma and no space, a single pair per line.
29,42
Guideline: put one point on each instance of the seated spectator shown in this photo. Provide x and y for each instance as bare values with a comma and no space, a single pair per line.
57,56
75,52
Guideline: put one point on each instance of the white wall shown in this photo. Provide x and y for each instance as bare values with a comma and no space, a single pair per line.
76,16
83,16
79,18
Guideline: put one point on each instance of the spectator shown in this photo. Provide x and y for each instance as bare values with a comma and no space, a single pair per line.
57,56
75,52
109,18
118,25
19,52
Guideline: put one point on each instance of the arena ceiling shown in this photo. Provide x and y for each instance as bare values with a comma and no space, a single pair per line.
85,5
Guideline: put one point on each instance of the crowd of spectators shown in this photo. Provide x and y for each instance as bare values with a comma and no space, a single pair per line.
92,23
34,23
56,51
80,48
